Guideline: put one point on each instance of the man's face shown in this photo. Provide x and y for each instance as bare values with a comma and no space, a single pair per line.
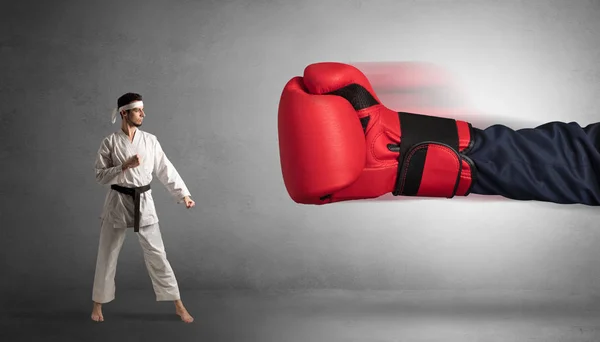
135,116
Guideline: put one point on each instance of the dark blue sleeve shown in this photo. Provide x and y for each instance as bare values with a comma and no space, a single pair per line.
555,162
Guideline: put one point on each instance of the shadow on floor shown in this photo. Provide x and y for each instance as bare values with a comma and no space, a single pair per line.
80,315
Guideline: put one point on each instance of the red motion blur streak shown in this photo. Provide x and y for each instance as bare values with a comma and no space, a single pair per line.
416,87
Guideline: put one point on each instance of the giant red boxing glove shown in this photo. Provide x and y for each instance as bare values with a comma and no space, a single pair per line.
338,142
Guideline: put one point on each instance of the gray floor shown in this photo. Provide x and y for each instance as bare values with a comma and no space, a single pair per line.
309,316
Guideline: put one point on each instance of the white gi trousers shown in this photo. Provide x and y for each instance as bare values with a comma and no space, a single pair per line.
160,271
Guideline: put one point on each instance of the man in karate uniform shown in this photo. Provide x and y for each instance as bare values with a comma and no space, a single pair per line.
126,161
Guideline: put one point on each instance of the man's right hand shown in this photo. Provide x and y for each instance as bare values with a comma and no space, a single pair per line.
132,162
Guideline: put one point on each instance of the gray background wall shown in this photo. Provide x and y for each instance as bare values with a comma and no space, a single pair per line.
211,73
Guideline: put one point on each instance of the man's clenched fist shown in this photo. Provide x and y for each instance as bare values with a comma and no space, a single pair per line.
132,162
189,203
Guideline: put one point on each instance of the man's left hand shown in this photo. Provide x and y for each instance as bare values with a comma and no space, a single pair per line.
189,203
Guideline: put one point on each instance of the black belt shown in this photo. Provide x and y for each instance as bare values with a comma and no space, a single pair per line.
135,193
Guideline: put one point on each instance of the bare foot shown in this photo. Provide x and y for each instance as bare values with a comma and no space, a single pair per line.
97,313
182,312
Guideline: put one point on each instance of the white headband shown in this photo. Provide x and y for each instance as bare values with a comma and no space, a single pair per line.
136,104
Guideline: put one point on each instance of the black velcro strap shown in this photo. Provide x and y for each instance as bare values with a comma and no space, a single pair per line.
412,170
416,129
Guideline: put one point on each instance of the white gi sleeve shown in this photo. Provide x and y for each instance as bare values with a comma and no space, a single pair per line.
106,172
168,175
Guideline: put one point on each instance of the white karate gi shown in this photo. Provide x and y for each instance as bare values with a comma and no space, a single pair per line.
117,214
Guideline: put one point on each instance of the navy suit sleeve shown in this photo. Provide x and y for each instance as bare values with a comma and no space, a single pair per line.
555,162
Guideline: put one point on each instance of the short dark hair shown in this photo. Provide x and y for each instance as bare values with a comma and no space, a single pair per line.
128,98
